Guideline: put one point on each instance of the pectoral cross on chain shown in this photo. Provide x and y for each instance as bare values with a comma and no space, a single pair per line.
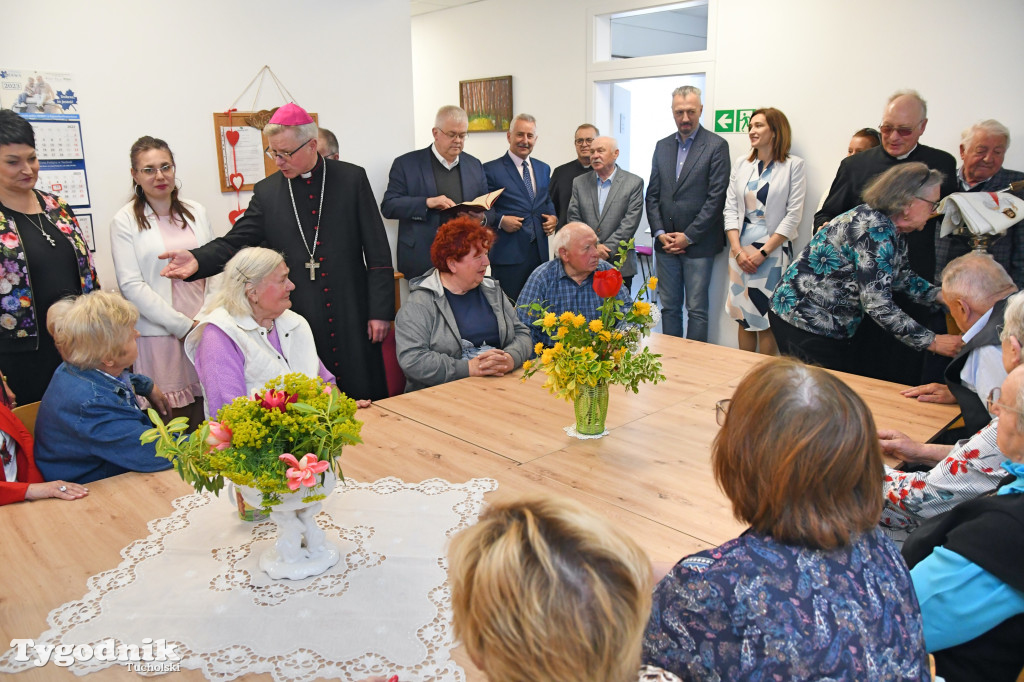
312,266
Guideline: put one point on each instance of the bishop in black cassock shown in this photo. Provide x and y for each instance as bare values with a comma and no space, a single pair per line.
343,273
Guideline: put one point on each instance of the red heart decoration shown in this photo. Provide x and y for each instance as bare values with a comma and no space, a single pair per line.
235,215
236,180
232,136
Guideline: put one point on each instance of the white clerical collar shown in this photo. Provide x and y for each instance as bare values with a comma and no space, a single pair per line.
907,154
442,160
307,176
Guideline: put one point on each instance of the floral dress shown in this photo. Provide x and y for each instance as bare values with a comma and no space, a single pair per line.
749,295
33,274
851,268
757,609
971,470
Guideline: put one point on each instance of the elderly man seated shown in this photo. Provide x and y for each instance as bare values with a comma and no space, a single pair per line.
567,282
982,148
975,288
968,470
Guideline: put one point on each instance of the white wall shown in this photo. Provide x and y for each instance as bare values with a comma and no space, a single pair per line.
828,65
540,43
163,69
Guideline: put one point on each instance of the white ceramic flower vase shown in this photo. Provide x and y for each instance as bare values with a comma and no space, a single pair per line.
301,549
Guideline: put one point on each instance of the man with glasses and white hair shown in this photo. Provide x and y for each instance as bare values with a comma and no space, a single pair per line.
425,183
982,149
343,273
903,122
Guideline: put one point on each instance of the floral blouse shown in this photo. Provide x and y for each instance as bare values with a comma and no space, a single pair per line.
756,609
851,267
970,470
18,317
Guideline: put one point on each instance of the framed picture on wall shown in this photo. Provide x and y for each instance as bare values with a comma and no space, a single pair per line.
488,102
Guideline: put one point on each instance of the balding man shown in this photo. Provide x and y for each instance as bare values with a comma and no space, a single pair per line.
328,144
975,288
903,122
611,200
567,282
982,149
425,183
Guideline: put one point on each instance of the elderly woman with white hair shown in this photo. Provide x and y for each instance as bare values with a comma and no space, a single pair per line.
247,335
89,422
852,267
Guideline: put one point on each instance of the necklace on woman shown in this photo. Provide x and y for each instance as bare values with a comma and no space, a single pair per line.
39,226
312,265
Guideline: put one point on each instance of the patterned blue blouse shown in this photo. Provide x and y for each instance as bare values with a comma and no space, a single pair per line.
851,267
755,609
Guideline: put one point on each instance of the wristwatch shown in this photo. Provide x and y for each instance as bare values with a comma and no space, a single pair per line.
763,253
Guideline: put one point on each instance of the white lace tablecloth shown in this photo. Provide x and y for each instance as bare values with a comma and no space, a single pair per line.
194,582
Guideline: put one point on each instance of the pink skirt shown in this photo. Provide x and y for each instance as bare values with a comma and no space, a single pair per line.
163,359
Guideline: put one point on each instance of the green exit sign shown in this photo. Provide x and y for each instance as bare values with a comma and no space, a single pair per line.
732,120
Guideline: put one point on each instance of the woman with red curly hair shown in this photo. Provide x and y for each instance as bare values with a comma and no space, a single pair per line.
456,322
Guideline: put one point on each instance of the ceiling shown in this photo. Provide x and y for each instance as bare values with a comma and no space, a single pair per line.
427,6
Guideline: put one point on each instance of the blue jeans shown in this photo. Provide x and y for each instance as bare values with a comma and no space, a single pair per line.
681,278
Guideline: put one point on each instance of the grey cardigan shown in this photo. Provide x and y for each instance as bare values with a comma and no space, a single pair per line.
428,340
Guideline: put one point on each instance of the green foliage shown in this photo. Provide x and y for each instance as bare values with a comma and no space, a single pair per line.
320,421
602,350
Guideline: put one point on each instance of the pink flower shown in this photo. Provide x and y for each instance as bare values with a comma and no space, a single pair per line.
328,389
50,202
303,471
10,240
220,436
275,400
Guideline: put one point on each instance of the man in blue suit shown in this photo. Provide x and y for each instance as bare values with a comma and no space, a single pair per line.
425,183
685,199
524,214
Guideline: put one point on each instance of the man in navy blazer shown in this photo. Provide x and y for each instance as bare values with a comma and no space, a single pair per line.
426,182
685,199
524,215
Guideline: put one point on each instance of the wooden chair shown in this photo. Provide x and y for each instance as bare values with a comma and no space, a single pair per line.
27,415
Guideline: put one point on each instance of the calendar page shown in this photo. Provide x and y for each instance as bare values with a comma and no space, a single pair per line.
66,179
58,140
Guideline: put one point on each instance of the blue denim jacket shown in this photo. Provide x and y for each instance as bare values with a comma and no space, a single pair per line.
89,424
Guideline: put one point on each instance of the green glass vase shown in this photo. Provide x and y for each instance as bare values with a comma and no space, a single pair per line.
591,409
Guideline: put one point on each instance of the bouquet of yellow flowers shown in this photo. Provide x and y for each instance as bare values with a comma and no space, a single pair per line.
253,440
603,350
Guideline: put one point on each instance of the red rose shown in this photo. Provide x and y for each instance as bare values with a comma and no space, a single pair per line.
607,283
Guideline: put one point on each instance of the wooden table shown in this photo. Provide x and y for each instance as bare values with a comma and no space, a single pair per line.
651,476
